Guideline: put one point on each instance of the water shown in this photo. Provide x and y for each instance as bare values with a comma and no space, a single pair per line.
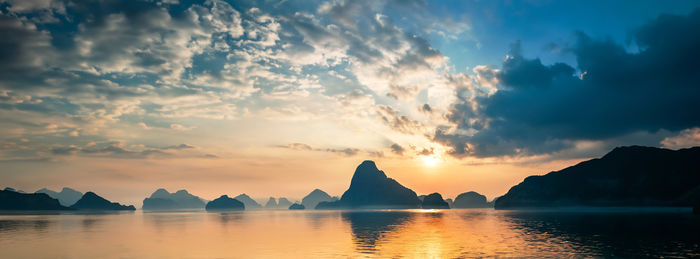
314,234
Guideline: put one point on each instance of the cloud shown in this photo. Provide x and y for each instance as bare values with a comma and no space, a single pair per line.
101,69
68,150
181,146
305,147
540,109
397,149
179,127
296,146
686,138
426,108
426,152
344,151
398,122
117,149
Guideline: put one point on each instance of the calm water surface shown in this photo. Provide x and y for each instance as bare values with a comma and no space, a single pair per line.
314,234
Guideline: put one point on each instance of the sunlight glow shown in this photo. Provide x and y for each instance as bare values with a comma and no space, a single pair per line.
430,160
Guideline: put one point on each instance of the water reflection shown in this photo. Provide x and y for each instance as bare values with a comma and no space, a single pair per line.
168,221
368,227
351,234
230,217
619,234
23,225
89,223
317,219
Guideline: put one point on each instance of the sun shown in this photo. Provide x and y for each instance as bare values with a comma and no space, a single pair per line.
431,160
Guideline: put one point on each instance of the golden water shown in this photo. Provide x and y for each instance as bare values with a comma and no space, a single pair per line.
322,234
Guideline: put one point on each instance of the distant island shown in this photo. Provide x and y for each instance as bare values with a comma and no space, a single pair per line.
315,197
297,206
434,201
275,204
371,188
13,190
66,197
471,200
161,199
92,201
225,203
450,202
12,200
627,176
250,204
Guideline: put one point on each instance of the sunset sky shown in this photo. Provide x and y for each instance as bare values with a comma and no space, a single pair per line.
277,98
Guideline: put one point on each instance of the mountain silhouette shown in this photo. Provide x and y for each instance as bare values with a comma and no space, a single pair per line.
434,201
224,203
316,196
274,204
66,197
161,199
371,188
271,203
11,200
283,203
471,200
296,206
250,204
13,190
627,176
450,202
92,201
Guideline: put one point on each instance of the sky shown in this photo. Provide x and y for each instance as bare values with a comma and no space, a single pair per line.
277,98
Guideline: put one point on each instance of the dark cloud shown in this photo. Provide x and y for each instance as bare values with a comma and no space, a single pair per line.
546,108
69,150
426,108
398,149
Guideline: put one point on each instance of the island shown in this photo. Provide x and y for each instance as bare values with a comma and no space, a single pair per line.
12,200
626,176
161,199
224,203
471,200
316,196
66,197
250,204
370,188
297,206
92,201
434,201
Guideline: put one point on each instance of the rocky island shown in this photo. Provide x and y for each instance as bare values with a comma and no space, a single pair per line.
371,188
627,176
161,199
224,203
92,201
434,201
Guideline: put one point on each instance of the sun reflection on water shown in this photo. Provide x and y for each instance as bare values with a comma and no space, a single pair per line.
418,233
